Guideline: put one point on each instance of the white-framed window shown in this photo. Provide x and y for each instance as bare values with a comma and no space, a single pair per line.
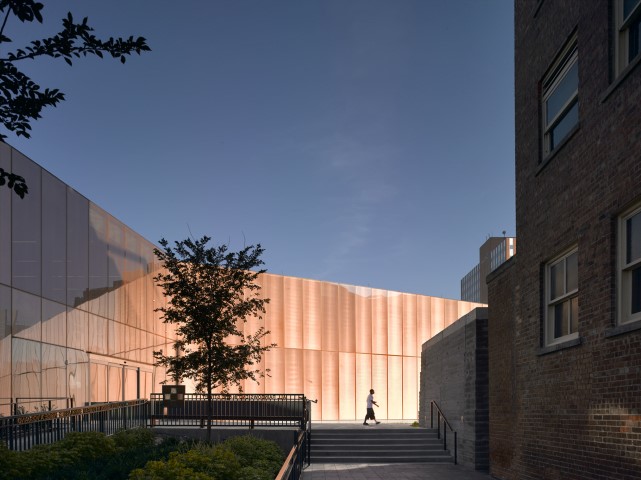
560,98
562,298
629,261
627,17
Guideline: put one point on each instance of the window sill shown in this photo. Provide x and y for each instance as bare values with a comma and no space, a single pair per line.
621,77
544,163
624,328
559,346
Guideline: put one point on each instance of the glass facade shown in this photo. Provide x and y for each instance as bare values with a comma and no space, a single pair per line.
77,319
471,285
76,299
492,254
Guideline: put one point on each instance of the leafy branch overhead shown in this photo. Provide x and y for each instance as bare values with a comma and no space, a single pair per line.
22,99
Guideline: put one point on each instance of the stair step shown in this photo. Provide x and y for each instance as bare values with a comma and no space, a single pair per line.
377,445
344,453
383,459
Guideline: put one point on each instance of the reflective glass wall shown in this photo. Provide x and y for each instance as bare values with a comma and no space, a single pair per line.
77,299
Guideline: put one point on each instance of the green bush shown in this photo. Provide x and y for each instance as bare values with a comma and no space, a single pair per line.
72,457
86,455
203,462
254,452
9,463
238,458
134,448
137,454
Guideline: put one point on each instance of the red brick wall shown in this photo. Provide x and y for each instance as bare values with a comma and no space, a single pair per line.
575,412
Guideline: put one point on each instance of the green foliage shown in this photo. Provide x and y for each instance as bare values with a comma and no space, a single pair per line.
134,448
71,457
21,99
211,292
262,455
9,463
136,454
238,458
86,455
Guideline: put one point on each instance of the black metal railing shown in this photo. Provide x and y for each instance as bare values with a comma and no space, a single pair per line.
230,410
446,425
292,468
21,432
23,405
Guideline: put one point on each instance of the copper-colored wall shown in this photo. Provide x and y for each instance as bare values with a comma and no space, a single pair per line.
335,342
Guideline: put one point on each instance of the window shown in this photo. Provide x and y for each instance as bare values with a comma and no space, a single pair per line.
562,300
630,267
627,14
560,101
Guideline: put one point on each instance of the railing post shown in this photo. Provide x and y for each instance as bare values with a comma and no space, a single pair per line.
444,437
455,449
432,414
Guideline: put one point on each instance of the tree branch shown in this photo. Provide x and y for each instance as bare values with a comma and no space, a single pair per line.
4,23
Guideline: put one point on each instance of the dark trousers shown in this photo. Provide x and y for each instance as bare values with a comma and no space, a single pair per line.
370,414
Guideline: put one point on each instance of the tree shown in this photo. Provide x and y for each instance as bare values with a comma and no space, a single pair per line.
211,293
21,99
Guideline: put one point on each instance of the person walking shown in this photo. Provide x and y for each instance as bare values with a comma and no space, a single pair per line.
370,408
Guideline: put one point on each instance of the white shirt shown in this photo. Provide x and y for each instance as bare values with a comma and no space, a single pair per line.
370,401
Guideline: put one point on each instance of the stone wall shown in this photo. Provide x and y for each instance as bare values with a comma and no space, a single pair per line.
454,374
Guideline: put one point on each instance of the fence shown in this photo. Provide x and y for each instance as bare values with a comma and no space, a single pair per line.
21,432
231,410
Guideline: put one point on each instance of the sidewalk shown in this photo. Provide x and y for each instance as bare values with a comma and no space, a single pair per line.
397,471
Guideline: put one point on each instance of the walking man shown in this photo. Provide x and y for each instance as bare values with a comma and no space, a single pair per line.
370,408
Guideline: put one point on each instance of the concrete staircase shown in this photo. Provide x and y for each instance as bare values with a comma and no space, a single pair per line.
377,444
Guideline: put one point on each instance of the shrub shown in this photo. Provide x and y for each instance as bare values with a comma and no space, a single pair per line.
134,448
201,462
9,463
254,452
238,458
94,456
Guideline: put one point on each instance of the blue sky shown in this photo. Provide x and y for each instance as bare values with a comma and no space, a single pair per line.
368,142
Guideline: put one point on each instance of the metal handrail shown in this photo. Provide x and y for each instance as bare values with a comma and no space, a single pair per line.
445,423
21,432
43,404
292,468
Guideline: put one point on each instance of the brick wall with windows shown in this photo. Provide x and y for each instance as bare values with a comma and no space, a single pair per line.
575,406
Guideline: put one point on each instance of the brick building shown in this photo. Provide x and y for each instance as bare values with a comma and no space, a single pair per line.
565,313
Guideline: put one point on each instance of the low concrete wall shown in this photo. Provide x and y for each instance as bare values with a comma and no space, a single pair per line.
454,373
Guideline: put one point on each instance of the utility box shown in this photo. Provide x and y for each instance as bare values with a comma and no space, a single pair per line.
173,396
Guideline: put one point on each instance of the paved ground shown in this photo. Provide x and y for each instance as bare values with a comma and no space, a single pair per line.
387,471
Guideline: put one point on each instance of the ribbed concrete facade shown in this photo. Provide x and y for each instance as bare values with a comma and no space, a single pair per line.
335,342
